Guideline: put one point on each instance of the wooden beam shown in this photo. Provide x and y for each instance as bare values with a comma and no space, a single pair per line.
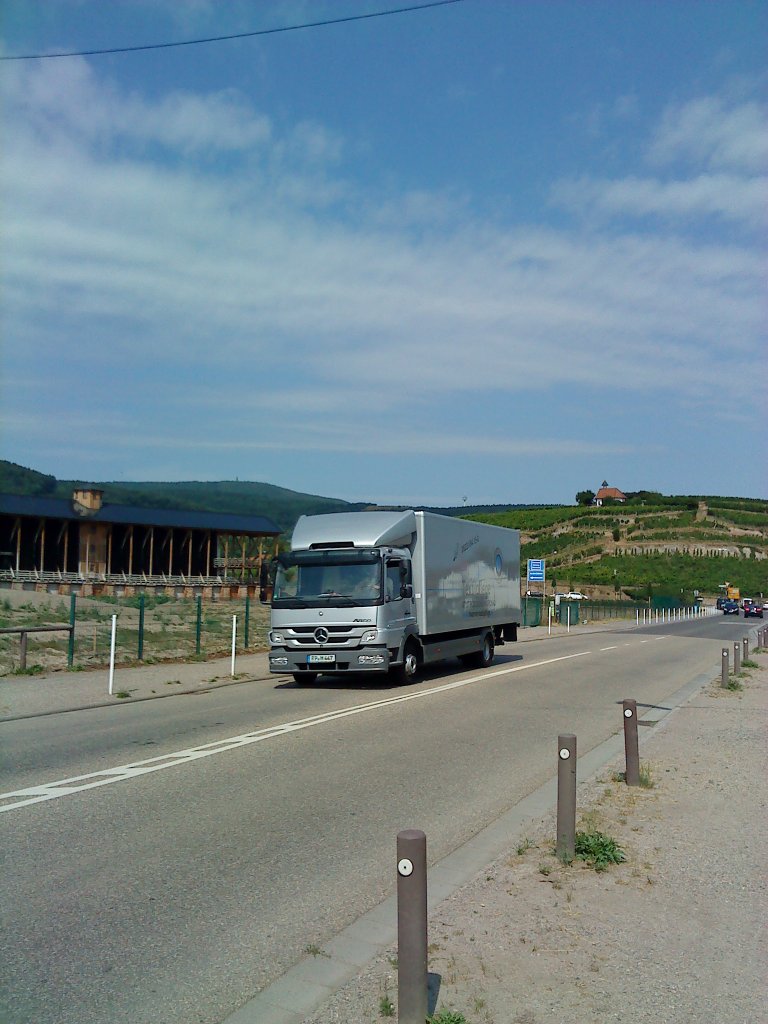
109,550
189,561
208,556
151,548
130,550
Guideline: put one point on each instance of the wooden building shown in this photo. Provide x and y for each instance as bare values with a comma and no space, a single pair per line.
84,540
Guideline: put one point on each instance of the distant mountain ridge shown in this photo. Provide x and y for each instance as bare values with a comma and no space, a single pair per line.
282,505
241,497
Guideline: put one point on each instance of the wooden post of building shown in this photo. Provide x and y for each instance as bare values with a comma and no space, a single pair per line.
170,554
208,556
226,555
18,544
130,550
189,562
66,546
151,548
109,550
242,577
42,546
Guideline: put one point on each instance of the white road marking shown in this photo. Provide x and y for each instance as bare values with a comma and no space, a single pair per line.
93,780
614,648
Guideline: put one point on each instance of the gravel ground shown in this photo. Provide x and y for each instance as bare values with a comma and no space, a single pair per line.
674,935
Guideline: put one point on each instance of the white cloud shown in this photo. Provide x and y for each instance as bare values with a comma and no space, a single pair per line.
725,196
245,283
713,133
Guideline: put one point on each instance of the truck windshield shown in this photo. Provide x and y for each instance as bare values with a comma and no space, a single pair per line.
343,578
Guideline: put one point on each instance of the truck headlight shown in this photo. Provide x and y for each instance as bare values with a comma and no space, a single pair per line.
369,636
276,639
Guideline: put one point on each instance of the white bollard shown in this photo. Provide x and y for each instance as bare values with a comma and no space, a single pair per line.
112,654
549,620
234,641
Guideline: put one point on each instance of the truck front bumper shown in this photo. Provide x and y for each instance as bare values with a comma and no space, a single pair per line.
362,659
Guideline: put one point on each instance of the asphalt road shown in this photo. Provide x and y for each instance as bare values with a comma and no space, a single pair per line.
171,897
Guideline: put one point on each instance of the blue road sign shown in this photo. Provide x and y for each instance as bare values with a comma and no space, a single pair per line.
536,570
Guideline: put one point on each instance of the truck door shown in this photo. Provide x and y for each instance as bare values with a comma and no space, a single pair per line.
397,583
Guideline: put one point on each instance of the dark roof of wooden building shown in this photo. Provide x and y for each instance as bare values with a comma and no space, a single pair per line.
63,508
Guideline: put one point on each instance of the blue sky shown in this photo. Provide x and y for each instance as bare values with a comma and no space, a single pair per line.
499,251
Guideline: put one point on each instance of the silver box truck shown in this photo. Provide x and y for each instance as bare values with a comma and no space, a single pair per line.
389,592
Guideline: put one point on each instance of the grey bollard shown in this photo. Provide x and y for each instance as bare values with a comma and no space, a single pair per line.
631,750
736,658
412,979
724,669
745,648
566,797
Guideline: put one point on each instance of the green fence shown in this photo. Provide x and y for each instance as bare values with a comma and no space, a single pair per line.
148,629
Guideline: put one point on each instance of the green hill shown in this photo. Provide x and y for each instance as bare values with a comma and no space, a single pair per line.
648,546
242,497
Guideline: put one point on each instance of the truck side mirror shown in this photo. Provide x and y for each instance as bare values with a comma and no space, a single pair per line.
406,590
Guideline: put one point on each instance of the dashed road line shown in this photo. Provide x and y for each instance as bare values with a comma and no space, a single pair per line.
94,780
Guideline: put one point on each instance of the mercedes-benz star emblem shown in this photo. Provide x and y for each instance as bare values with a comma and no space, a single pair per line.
321,635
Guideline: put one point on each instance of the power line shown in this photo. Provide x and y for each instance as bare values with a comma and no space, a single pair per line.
237,35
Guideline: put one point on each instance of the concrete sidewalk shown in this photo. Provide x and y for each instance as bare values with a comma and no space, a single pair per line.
28,696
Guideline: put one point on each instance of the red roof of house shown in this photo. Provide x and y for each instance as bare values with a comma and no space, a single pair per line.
610,492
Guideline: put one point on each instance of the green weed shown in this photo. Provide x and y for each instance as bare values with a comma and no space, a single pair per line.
598,850
386,1007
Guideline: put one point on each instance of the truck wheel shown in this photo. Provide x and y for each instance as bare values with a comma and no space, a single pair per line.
409,670
483,657
304,678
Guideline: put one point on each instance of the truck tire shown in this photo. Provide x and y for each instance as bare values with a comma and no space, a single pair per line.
408,671
304,678
483,657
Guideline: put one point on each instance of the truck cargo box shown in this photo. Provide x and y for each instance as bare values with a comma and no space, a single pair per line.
465,574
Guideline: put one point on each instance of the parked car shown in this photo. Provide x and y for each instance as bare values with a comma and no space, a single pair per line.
730,607
719,602
575,596
752,608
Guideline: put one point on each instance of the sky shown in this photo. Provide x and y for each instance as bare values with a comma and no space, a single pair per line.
495,251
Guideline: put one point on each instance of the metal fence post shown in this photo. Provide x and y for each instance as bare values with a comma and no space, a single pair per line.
724,668
141,628
631,751
72,617
412,977
566,797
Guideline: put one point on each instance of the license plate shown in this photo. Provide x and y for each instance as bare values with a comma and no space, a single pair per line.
321,659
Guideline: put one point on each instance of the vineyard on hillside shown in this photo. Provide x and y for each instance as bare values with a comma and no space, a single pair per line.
641,549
